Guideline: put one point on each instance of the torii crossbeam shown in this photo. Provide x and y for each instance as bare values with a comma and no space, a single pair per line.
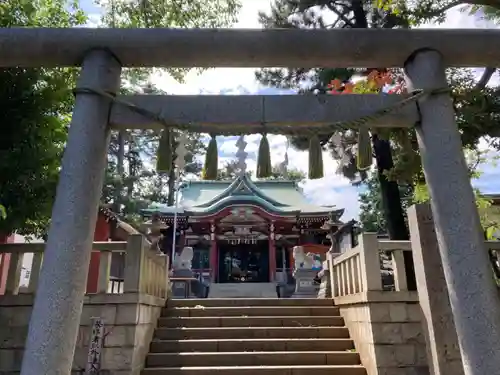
247,48
103,52
241,114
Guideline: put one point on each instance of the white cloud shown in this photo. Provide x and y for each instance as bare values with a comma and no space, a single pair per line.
333,189
324,192
213,81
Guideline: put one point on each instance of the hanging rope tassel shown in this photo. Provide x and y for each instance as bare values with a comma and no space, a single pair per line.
315,158
365,153
164,153
264,168
211,160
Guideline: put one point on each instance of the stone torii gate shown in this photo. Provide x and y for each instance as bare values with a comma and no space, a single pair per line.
102,52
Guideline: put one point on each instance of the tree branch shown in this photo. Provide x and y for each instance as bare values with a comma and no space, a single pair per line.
485,78
489,3
453,4
341,15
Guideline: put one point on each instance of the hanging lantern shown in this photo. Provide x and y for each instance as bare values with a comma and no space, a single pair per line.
264,168
315,158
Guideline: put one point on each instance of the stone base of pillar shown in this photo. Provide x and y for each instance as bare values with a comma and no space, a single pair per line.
181,288
304,284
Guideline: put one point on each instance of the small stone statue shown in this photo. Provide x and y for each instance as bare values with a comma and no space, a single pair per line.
304,274
184,259
304,261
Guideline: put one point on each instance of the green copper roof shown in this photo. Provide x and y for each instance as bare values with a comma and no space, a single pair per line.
277,196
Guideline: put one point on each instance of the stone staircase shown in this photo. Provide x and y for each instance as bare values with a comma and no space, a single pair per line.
252,336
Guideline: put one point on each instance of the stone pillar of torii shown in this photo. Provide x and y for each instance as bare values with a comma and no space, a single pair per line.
423,54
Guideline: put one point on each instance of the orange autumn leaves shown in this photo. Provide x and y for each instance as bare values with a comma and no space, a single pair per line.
375,82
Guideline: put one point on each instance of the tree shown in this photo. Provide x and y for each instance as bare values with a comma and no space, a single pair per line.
141,184
230,171
166,13
343,145
371,214
36,110
396,153
422,11
434,11
131,183
291,174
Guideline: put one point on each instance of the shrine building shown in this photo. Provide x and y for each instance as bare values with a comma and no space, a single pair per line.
243,231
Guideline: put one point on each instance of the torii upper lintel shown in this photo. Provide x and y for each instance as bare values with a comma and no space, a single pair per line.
49,47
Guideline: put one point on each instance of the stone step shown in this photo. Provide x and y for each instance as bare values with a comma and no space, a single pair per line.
202,311
243,290
250,345
258,370
220,302
274,358
250,332
252,321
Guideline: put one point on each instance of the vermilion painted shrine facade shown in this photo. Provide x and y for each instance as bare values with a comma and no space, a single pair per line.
244,230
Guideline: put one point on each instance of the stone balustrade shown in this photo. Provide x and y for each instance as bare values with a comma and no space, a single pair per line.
400,331
385,325
359,270
129,313
145,271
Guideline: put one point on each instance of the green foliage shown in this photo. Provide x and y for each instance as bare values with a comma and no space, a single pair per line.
130,182
292,174
229,171
488,214
423,11
36,109
137,184
167,13
3,213
318,14
489,12
371,215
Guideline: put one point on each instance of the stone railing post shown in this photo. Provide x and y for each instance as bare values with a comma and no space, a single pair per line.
439,327
467,269
14,273
369,260
104,271
53,328
134,264
36,265
167,276
332,274
399,269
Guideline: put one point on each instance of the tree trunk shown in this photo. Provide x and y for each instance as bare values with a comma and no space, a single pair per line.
391,203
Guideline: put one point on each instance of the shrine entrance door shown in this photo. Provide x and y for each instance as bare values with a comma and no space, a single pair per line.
244,263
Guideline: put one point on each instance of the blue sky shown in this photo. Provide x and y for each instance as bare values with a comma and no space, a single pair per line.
332,189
